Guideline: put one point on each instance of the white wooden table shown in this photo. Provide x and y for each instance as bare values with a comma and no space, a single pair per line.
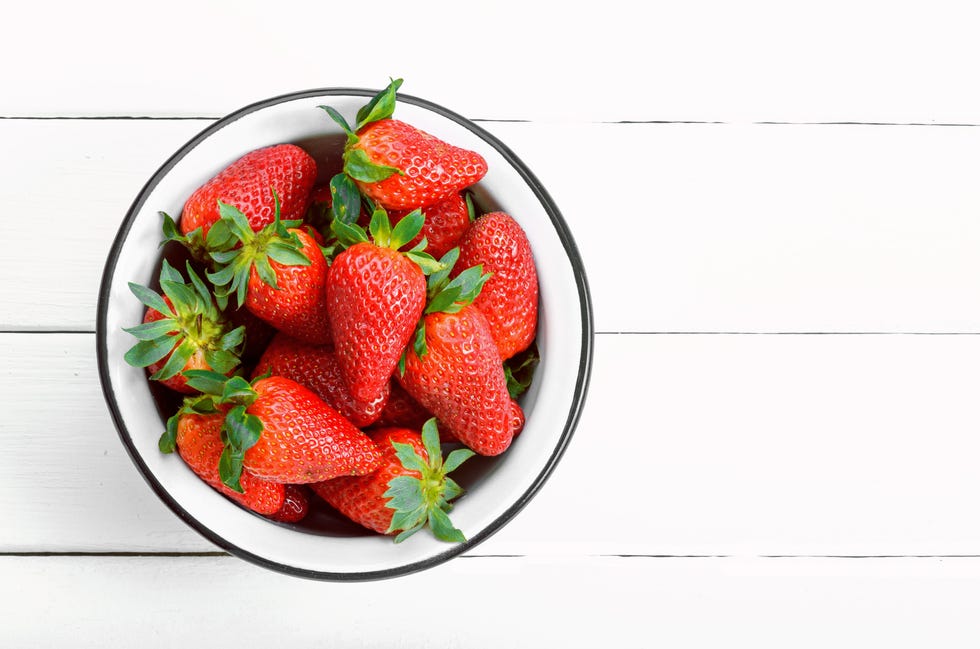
779,212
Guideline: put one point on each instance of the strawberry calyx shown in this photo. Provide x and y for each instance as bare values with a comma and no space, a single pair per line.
445,295
240,430
425,500
236,249
357,164
519,370
191,322
383,235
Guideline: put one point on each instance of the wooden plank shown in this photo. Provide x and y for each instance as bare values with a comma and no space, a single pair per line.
748,228
75,180
493,602
689,444
757,60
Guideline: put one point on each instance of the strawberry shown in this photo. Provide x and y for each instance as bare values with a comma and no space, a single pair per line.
279,430
402,411
409,490
453,369
248,184
375,295
278,273
509,299
398,165
316,367
195,432
445,223
182,330
295,506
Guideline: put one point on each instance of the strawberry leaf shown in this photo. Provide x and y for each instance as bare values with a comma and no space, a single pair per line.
425,261
182,296
438,279
380,228
453,490
348,234
230,466
407,228
286,254
237,390
444,300
430,440
239,433
233,339
265,272
151,299
170,230
168,440
178,359
220,238
519,371
345,203
147,352
221,360
359,166
202,290
408,457
339,119
168,272
457,457
153,329
405,493
470,208
442,527
419,345
381,106
206,381
242,429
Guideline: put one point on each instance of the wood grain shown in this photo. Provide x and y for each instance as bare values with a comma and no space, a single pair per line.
688,444
697,228
709,61
489,602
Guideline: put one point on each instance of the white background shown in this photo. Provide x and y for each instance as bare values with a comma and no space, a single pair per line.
777,205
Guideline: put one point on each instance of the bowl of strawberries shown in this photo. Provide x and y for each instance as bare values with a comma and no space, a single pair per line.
344,334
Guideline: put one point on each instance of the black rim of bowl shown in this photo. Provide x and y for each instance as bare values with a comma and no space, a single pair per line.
581,385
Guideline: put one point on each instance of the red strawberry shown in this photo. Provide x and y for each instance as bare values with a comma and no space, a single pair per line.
375,295
316,367
280,431
445,223
460,380
278,273
197,438
516,418
182,330
402,411
398,165
295,506
453,368
509,299
409,490
248,184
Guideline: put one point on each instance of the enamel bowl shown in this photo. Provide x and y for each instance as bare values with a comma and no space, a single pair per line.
324,546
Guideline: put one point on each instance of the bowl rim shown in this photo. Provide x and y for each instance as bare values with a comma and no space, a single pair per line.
581,382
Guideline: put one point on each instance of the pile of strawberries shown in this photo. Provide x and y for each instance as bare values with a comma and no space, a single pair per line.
335,340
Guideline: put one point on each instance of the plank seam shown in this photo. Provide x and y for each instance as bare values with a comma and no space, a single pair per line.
126,554
491,120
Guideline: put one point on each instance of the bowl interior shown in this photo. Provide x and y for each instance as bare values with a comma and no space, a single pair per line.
326,545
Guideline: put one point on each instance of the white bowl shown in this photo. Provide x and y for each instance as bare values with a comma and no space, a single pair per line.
497,488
